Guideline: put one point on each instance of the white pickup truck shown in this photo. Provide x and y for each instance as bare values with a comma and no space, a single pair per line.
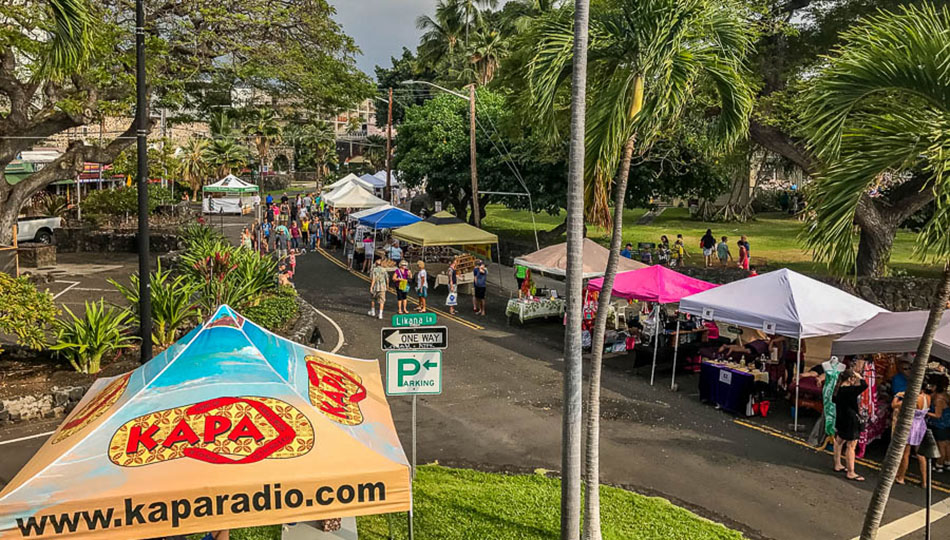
37,229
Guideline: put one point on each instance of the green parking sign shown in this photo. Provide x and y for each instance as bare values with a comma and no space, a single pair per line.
413,373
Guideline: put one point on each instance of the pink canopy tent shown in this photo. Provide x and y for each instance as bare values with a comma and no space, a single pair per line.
655,284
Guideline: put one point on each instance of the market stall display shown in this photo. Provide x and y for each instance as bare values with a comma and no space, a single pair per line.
230,195
348,179
535,308
352,196
898,332
229,412
444,229
552,260
783,303
659,285
730,385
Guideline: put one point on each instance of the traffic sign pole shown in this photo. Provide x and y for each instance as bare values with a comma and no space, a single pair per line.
413,436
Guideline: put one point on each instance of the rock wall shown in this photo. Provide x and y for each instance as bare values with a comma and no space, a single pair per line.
74,239
54,404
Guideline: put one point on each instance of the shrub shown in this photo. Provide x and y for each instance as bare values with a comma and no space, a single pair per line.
276,310
25,312
124,200
84,342
223,274
173,306
196,234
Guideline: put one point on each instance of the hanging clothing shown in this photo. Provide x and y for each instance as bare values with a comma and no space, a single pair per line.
831,370
919,427
867,404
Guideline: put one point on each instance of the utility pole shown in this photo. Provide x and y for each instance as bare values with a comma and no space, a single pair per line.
389,146
471,113
141,131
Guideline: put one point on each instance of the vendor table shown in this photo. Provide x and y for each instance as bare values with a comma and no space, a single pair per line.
466,282
730,388
535,308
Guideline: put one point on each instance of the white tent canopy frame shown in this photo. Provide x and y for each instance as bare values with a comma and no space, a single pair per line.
785,303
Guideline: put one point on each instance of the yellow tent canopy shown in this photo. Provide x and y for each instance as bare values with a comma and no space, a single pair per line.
232,426
444,229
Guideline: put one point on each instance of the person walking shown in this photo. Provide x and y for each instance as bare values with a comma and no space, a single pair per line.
722,251
265,236
246,239
294,235
748,248
663,251
917,431
401,278
743,255
422,286
316,234
377,288
481,287
305,233
679,252
369,249
847,421
452,299
939,421
708,245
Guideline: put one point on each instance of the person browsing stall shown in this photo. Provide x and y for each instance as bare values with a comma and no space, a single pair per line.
481,287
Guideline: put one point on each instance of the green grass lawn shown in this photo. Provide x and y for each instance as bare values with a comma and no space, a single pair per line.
457,504
773,236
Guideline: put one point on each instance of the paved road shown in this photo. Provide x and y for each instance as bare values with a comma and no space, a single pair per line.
501,411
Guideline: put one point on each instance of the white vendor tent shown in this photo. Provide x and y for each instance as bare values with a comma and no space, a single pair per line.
898,332
348,179
352,196
230,195
785,303
382,176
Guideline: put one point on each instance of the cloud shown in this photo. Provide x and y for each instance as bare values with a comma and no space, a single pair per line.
381,28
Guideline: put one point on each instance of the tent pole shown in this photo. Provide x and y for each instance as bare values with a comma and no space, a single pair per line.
656,339
798,372
676,348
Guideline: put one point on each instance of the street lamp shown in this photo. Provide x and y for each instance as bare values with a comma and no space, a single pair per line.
928,449
141,132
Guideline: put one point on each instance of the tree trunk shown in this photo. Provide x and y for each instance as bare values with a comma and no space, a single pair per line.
872,520
573,367
592,446
874,249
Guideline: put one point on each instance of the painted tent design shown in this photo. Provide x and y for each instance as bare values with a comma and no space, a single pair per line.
231,426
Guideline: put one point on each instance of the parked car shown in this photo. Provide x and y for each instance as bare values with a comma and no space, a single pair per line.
37,229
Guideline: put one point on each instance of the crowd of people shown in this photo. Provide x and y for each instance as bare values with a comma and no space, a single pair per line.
676,254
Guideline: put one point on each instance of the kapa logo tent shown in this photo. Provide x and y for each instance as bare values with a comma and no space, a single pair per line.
232,426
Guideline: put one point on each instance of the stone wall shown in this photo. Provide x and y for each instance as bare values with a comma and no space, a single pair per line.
54,404
76,239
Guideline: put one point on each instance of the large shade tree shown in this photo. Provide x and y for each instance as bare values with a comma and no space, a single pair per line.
650,59
882,106
293,50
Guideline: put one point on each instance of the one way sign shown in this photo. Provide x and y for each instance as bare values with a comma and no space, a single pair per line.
430,337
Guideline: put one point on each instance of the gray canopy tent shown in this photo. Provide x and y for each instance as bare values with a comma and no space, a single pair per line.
898,332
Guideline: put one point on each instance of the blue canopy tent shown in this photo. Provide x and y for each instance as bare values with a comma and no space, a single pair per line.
389,218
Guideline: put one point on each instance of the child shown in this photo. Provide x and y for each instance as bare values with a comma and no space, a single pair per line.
293,260
743,255
679,251
722,251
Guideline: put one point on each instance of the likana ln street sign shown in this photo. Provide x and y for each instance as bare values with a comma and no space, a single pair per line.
413,319
430,337
413,373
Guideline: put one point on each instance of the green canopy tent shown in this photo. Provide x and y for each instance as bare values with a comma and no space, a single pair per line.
444,229
230,195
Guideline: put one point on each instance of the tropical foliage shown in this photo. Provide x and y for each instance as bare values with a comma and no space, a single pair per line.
25,312
194,163
172,300
123,201
85,341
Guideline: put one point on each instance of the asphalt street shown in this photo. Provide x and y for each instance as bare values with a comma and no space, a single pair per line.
500,410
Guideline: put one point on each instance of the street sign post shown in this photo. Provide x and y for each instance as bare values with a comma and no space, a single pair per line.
431,337
413,319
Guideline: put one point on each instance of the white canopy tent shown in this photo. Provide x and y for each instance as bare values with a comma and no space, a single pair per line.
785,303
382,176
230,195
348,179
352,196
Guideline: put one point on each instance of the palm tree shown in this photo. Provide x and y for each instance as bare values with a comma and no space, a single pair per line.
265,131
319,139
573,367
194,163
441,34
227,156
375,151
71,39
486,50
648,64
881,105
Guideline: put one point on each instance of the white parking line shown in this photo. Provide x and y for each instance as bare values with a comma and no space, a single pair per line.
910,523
28,437
60,293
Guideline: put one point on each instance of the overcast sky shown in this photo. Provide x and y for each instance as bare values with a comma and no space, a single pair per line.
381,28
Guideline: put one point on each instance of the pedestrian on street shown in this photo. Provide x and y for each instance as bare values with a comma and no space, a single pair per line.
305,232
708,245
265,236
269,200
294,235
369,247
401,279
350,248
917,431
452,299
246,239
939,420
422,286
481,287
377,288
316,234
847,422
